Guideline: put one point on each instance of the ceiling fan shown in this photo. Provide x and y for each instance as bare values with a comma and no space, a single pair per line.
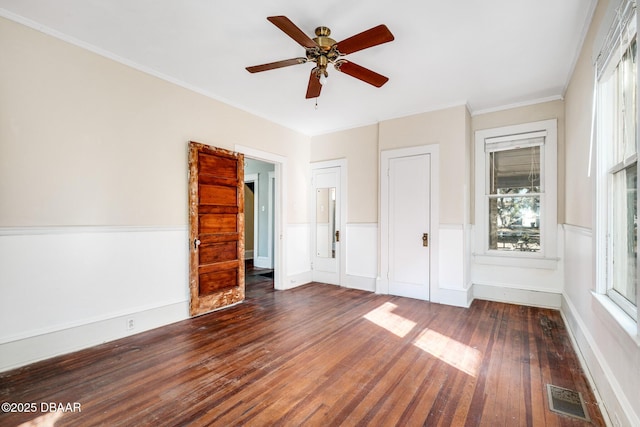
323,50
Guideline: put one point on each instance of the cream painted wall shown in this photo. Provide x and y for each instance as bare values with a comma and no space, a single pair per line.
579,99
448,129
359,147
88,141
525,114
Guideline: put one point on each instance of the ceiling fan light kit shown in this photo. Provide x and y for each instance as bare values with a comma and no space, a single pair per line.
323,50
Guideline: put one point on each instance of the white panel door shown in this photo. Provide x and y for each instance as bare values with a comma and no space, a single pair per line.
409,226
326,225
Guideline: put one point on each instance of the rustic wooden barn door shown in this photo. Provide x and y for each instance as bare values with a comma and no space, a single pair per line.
216,228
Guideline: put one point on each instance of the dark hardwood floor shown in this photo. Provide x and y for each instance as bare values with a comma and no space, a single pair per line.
317,355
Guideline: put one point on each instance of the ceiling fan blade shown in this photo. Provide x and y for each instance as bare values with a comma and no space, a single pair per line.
361,73
369,38
277,64
314,87
292,31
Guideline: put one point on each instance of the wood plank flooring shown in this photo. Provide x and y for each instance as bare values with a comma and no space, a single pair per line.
317,355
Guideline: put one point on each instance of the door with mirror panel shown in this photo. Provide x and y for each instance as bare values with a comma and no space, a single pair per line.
326,225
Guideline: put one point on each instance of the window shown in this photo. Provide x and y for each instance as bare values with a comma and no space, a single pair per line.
514,196
617,148
516,193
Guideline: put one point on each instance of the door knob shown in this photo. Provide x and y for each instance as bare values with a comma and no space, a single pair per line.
196,243
425,239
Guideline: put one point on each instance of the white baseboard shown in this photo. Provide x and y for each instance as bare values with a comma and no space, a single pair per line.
24,351
295,280
517,296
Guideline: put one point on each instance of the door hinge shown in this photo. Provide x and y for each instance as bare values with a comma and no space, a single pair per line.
311,266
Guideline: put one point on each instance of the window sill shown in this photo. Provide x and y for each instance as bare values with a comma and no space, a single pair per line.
517,261
619,316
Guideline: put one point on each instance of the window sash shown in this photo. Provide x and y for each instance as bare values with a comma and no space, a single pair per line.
514,237
515,142
617,140
622,279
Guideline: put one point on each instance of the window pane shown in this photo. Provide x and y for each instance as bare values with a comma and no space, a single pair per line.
624,239
515,171
514,223
626,74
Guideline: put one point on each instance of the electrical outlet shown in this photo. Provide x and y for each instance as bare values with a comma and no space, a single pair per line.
130,324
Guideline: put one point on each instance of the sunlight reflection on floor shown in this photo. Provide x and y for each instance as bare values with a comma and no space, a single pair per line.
456,354
383,317
47,420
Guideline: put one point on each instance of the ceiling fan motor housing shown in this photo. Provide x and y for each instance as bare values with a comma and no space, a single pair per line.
323,40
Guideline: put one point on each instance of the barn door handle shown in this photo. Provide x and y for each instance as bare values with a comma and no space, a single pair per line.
425,239
196,243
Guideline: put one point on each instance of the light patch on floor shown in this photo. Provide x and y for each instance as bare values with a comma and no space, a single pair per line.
456,354
383,317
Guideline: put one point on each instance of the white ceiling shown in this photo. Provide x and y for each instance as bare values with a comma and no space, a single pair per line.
485,53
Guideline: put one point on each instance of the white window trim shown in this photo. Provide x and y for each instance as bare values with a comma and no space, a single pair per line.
547,257
605,49
603,218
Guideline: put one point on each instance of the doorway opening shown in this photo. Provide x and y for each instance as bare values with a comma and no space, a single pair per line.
259,178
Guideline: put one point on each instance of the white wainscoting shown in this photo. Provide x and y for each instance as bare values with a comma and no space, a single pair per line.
67,288
537,282
361,241
298,255
453,287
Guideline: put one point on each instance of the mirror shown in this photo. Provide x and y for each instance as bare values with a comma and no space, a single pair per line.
326,222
